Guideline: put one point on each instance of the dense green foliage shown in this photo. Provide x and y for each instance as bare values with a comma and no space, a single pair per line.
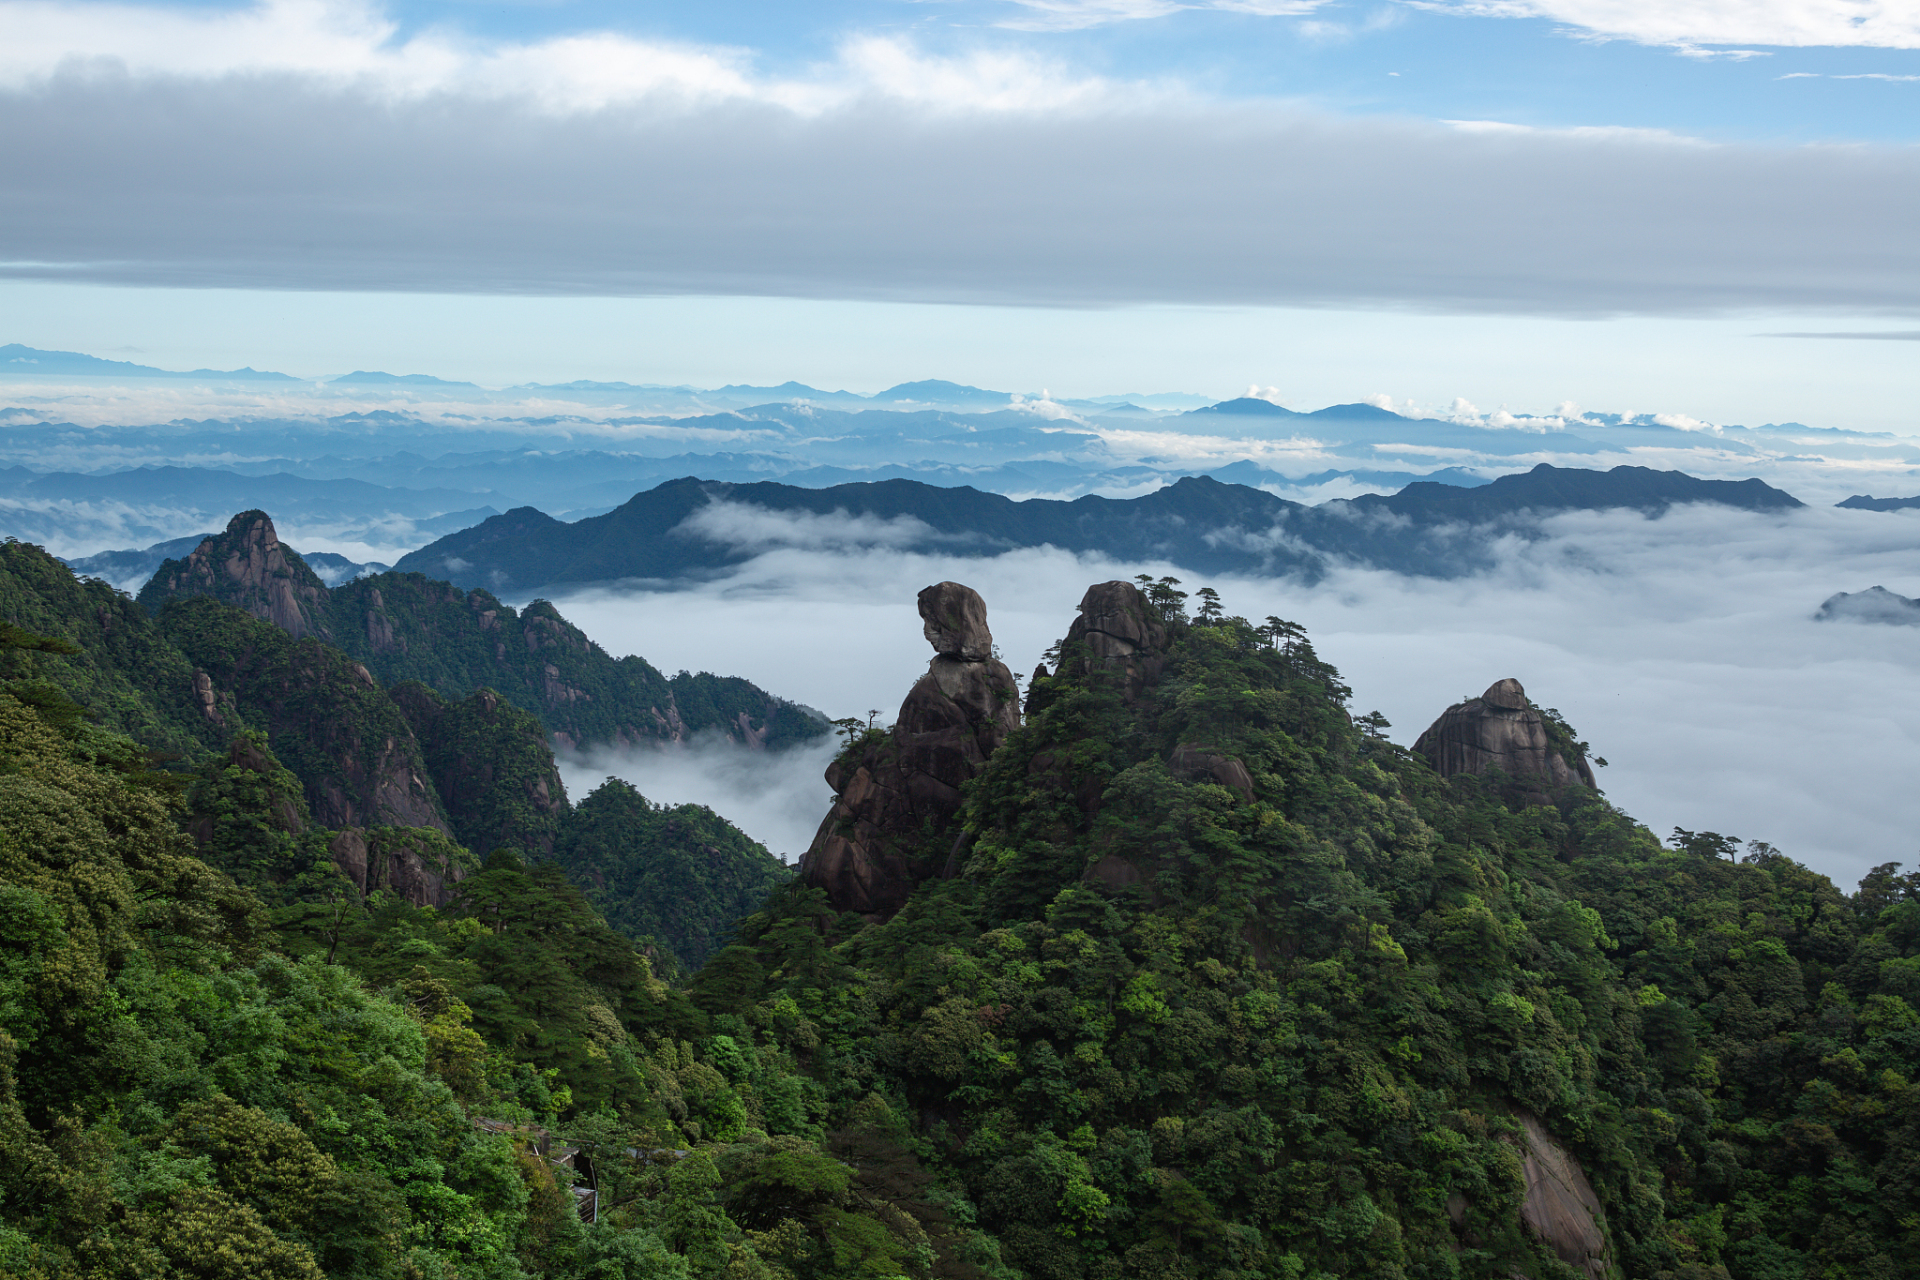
121,673
194,1085
1156,1031
680,875
492,767
1153,1028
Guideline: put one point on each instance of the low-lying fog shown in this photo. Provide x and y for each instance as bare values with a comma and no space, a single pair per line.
1682,648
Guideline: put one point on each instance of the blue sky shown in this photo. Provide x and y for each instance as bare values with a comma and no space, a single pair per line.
1455,187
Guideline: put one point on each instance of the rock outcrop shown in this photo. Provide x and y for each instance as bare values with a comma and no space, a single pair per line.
1500,730
249,567
1120,628
895,796
1560,1206
409,864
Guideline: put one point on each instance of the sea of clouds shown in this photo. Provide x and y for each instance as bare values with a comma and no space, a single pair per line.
1683,648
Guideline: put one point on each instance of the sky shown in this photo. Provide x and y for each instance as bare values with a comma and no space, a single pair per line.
1612,201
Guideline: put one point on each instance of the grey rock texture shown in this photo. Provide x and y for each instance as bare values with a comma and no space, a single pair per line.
1560,1206
1121,629
1500,730
397,862
1203,764
954,619
895,797
249,567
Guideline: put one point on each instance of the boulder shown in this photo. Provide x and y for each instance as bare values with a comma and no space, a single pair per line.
1120,628
896,795
954,619
1501,730
1203,764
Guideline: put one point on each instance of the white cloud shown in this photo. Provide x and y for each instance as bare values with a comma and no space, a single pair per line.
354,45
1078,15
758,529
1891,24
776,797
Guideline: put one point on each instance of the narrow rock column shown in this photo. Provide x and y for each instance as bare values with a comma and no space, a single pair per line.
890,825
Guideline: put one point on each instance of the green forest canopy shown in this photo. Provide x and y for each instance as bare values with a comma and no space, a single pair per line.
1305,1042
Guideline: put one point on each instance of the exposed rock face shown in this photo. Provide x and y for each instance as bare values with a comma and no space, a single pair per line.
1122,629
248,566
894,802
1561,1207
1204,764
1501,730
397,862
955,622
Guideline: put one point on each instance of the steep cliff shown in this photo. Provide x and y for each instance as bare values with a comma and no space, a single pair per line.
1502,731
248,567
896,792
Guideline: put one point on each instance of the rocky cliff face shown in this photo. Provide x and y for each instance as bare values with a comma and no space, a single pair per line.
1501,730
889,828
409,863
326,717
249,567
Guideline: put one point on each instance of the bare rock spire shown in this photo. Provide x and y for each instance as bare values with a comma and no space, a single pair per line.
895,797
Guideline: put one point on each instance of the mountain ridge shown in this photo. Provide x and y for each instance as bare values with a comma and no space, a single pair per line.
685,528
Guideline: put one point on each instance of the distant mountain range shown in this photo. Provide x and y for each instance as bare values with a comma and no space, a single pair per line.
17,359
694,528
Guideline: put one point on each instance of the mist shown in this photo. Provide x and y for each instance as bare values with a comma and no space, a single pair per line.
1682,648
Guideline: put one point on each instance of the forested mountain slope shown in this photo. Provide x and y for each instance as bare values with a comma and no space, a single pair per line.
404,626
1194,974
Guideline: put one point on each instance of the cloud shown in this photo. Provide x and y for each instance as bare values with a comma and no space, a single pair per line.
306,146
746,527
1883,335
1683,648
351,46
1078,15
1887,24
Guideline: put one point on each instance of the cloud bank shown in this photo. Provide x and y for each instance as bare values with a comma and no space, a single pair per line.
1885,24
301,145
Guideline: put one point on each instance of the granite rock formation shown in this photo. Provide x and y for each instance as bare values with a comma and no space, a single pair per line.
1560,1205
1501,730
249,567
896,794
409,864
1203,764
1120,627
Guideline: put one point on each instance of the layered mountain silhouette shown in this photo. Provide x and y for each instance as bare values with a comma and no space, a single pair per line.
690,528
